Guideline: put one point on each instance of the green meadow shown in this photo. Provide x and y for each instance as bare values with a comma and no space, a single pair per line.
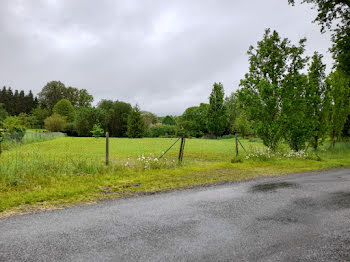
68,170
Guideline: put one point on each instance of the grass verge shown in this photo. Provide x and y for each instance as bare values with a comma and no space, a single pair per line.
66,171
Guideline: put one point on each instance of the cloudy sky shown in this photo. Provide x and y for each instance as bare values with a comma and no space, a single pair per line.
162,54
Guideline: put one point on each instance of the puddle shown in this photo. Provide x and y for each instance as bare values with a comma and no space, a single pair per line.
268,187
338,200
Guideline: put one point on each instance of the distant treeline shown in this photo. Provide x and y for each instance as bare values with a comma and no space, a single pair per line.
284,96
16,102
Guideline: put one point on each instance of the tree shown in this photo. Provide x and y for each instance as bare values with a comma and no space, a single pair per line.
295,123
55,91
87,118
65,108
136,124
14,128
217,114
194,120
334,15
338,84
149,118
51,93
39,115
97,131
56,123
317,99
3,113
117,116
261,92
169,120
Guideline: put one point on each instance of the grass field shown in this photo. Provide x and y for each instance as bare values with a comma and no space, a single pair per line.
69,170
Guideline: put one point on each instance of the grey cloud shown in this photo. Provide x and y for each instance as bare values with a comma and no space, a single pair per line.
163,55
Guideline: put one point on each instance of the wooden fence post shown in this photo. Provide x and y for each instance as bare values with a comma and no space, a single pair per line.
182,147
236,144
107,148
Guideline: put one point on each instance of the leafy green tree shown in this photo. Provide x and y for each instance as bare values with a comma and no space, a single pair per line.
65,108
317,101
334,15
55,91
56,123
97,131
149,118
39,114
136,124
87,117
296,125
117,116
338,84
51,93
261,92
169,120
242,125
217,113
194,120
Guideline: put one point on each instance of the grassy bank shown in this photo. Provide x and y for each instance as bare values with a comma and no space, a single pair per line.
70,170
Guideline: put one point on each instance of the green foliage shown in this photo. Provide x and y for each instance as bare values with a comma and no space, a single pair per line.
335,16
136,124
317,101
117,116
97,131
272,91
162,131
26,120
149,118
3,113
169,120
87,117
217,113
338,84
242,125
39,114
55,91
13,128
17,102
56,123
296,128
65,108
194,120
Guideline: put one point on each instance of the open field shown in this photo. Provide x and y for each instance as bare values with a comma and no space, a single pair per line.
69,170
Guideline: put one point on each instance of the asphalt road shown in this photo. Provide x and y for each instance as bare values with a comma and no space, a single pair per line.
302,217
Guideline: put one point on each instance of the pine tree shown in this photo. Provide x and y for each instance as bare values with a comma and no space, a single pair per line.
136,124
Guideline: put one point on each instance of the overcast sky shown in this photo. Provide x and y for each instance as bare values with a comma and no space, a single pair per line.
164,55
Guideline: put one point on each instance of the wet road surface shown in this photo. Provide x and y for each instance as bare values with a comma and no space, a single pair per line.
301,217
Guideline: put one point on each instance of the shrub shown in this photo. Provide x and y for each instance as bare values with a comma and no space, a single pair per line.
97,131
13,128
162,131
55,123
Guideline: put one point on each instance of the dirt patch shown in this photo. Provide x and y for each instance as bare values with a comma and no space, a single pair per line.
271,187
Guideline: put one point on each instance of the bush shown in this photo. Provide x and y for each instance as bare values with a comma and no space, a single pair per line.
13,128
56,123
97,131
162,131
